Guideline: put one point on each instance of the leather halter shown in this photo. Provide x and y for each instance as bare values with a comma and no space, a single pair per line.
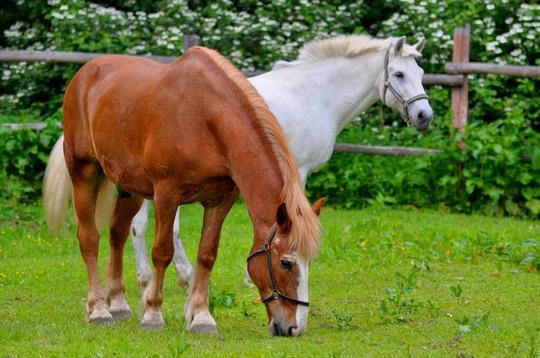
388,85
276,292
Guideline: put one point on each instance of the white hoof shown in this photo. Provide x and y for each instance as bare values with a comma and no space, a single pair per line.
152,320
143,278
203,323
183,276
120,310
247,281
100,316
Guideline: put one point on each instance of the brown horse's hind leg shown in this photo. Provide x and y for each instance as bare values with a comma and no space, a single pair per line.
124,211
86,178
165,204
197,314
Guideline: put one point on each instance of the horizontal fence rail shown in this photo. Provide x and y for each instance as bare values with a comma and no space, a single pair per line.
489,68
374,149
63,57
36,126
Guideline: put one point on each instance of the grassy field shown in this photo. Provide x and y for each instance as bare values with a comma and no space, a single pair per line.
387,282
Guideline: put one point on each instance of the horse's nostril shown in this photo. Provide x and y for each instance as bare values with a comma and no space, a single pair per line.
275,329
290,331
421,116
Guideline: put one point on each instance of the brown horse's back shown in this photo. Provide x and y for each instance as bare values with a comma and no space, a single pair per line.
138,119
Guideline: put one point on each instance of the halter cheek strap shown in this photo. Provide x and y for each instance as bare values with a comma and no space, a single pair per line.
276,292
388,86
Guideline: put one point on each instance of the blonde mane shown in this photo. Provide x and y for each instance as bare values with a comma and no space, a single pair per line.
305,229
343,46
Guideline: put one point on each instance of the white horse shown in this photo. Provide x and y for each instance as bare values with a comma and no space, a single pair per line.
314,97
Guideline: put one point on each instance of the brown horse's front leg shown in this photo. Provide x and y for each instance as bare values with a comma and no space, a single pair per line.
165,204
198,317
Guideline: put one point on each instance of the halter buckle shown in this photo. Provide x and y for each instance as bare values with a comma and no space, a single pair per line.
275,294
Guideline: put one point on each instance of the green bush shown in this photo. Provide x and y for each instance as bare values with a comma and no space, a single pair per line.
504,116
23,157
498,172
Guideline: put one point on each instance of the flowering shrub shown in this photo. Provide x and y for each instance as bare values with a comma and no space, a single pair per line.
254,34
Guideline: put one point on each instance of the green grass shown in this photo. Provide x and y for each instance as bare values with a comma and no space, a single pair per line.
387,282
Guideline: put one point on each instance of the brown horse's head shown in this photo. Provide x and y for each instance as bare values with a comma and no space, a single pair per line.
279,268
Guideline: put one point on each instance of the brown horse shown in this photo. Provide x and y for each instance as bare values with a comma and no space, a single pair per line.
191,131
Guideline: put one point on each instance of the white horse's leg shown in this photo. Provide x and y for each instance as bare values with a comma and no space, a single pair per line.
247,280
184,270
138,229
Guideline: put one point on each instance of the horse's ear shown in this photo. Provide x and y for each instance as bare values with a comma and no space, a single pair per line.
399,44
283,220
317,206
420,45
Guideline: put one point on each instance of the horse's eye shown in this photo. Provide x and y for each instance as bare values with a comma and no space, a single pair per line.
399,75
285,264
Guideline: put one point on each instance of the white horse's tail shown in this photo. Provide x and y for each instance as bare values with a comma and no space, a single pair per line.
57,193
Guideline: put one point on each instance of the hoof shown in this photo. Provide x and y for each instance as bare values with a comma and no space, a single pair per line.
152,325
100,317
203,329
248,284
143,280
247,280
152,321
183,281
203,323
121,314
184,273
120,310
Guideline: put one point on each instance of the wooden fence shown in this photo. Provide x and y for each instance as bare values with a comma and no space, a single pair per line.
456,77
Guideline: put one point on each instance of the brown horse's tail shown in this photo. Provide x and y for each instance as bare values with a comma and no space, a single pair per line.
57,192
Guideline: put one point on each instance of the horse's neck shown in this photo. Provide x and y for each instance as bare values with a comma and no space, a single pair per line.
254,169
313,102
342,87
360,87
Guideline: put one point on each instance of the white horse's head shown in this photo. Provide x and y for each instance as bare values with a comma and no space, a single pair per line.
401,85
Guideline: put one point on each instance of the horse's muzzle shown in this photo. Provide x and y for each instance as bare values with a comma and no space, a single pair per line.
277,329
423,119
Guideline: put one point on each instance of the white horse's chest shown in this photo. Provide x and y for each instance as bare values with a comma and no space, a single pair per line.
310,135
311,130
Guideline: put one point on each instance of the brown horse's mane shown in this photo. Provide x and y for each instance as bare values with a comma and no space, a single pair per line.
305,229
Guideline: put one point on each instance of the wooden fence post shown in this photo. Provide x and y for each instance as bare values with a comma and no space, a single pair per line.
460,95
190,41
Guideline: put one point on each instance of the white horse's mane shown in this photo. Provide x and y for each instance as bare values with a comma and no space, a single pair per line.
343,46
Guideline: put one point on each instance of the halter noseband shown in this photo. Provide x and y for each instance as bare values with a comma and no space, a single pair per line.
276,292
388,85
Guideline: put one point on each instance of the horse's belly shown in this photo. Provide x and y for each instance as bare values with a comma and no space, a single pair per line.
130,178
211,190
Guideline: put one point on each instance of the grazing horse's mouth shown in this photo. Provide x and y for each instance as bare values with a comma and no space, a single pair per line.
277,330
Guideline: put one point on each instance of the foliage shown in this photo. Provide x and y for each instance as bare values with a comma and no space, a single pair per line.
252,34
397,306
488,176
23,157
